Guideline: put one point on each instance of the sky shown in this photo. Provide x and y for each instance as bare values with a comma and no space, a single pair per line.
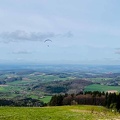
81,31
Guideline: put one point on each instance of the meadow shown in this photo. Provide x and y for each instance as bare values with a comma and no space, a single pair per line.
58,113
105,88
46,99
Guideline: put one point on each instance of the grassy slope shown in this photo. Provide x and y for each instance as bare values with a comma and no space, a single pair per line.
46,99
96,87
57,113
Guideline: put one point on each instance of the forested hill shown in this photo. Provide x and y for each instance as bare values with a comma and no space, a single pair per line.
68,86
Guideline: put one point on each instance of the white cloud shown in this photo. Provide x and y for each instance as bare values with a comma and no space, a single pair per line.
20,36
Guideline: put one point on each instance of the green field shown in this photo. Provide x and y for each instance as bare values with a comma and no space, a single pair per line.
100,79
46,78
46,99
97,87
58,113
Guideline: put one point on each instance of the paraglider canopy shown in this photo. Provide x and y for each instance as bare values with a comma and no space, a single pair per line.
47,41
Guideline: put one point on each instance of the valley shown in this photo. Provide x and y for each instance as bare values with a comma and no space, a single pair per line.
41,82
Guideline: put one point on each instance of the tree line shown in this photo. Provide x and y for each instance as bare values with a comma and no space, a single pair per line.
26,102
109,100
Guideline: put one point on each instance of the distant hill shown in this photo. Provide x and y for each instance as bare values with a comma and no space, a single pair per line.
68,86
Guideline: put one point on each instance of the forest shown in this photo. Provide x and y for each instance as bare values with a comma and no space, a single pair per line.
109,100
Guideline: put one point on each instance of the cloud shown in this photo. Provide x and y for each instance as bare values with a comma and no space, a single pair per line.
117,48
21,52
117,51
18,35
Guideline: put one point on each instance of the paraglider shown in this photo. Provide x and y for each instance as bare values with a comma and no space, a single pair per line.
47,40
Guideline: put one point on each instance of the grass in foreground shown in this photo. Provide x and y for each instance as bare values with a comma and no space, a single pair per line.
57,113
